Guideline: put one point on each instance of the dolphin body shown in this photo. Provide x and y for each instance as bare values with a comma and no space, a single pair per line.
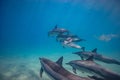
90,65
75,39
62,37
56,71
72,45
97,56
56,31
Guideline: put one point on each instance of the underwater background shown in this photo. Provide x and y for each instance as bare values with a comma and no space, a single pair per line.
24,26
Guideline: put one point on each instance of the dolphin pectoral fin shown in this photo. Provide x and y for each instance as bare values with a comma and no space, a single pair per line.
94,50
96,77
74,70
90,58
59,61
41,72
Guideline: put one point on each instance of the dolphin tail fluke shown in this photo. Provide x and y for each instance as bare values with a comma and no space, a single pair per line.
41,72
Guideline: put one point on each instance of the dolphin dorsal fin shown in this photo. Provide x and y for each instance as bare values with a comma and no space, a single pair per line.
94,50
90,58
41,72
55,26
59,61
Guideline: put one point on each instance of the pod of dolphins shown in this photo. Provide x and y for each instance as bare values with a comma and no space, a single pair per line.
67,39
56,71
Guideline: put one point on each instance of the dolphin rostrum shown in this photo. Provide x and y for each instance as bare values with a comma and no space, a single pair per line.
97,56
56,71
91,66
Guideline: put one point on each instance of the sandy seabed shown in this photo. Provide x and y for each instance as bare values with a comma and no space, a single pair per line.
27,68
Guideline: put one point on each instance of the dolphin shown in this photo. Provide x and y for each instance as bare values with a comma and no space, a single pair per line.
68,43
75,39
72,45
97,56
56,31
90,65
62,37
56,71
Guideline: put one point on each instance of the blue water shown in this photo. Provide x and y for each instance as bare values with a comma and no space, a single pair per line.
24,25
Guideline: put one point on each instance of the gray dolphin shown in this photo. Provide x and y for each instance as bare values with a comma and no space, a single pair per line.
90,65
56,31
57,72
72,45
75,39
68,43
62,37
97,56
